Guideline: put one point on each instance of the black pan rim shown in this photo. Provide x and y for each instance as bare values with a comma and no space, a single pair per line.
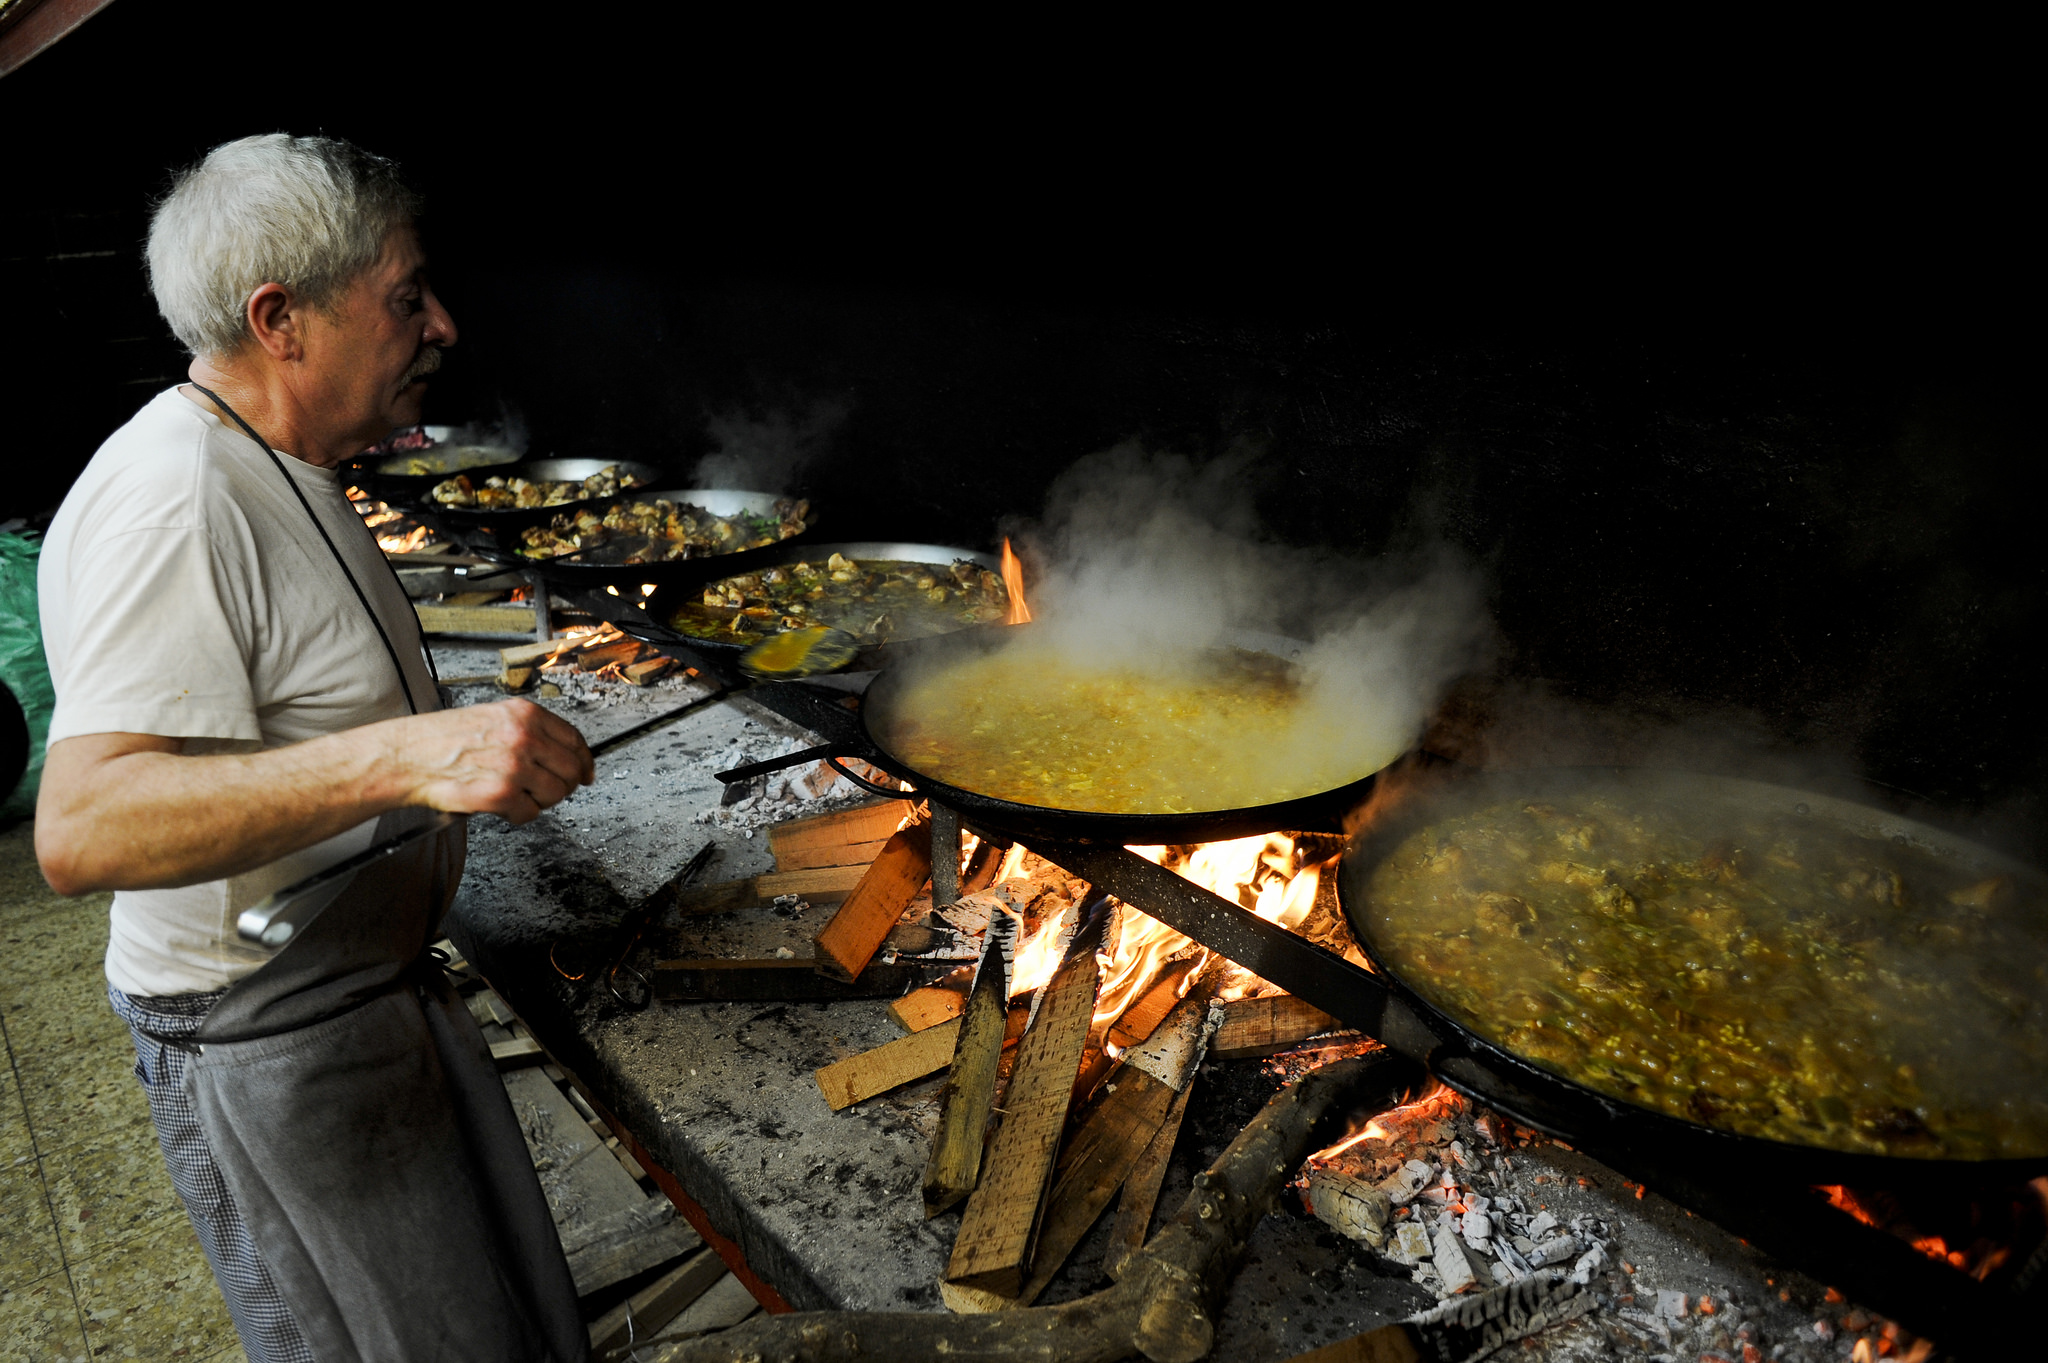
1823,1164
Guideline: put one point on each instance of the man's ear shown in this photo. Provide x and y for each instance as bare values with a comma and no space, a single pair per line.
277,322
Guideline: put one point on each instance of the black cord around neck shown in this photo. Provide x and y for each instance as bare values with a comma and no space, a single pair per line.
376,621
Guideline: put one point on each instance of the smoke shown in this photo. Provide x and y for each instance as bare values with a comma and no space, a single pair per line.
508,432
768,454
1152,562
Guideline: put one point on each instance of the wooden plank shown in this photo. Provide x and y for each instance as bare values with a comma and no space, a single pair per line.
1141,1189
872,822
820,885
1142,1017
529,655
596,659
1094,1164
510,619
927,1007
653,1306
842,854
651,671
1267,1026
955,1161
860,1077
1000,1225
845,945
690,981
518,1052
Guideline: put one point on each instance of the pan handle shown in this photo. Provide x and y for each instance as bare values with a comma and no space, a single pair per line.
829,753
886,792
791,759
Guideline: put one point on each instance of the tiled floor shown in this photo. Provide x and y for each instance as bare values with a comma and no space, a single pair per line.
97,1260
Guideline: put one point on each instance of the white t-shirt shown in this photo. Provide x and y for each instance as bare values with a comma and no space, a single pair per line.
185,593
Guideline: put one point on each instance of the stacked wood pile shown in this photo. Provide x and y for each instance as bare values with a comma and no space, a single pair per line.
1052,1109
604,651
638,1269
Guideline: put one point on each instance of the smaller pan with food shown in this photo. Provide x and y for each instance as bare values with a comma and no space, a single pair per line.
653,536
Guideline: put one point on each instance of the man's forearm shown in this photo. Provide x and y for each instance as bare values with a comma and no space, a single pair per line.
131,812
153,818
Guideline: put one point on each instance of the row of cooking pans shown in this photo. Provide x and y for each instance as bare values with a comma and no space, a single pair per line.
406,482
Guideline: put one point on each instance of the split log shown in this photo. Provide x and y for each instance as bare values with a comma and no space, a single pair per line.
982,867
955,1161
697,981
530,655
835,839
1152,1005
596,659
1267,1026
821,886
1141,1189
860,1077
927,1007
515,679
649,672
845,945
1169,1290
1000,1226
1097,1159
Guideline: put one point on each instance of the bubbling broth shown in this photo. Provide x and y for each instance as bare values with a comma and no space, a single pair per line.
1769,973
1230,730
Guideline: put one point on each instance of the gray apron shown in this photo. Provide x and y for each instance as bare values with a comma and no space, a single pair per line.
361,1127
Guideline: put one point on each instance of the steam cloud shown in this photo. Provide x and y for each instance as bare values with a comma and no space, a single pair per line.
767,454
1147,561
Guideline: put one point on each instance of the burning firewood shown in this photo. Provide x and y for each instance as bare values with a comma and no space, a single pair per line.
955,1161
1162,1306
845,945
1111,1137
1000,1226
1141,1188
1268,1026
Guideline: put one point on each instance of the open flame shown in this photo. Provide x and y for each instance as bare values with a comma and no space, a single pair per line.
1397,1125
1979,1260
1013,581
1262,873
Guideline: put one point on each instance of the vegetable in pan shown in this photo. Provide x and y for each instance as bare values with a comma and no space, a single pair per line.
874,600
507,494
1771,974
657,531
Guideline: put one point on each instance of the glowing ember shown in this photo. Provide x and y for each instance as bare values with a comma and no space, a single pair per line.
1013,579
1980,1260
1399,1126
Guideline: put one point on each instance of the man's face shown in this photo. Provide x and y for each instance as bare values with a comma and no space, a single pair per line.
366,365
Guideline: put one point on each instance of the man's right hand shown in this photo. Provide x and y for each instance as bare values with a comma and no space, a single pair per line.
511,758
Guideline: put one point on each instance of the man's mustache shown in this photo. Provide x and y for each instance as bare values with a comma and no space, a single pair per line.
429,362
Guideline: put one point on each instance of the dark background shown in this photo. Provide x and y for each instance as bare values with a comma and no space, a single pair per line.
1726,380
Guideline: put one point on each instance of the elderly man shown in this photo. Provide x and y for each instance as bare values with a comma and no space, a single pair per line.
243,697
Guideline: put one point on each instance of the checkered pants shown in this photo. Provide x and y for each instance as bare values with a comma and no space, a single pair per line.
269,1334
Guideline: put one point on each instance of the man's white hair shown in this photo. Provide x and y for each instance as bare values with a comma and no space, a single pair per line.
310,213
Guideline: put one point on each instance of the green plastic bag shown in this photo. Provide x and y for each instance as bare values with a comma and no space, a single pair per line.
22,667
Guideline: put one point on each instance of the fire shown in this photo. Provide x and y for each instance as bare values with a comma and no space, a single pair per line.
409,542
1396,1124
1979,1260
1013,579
